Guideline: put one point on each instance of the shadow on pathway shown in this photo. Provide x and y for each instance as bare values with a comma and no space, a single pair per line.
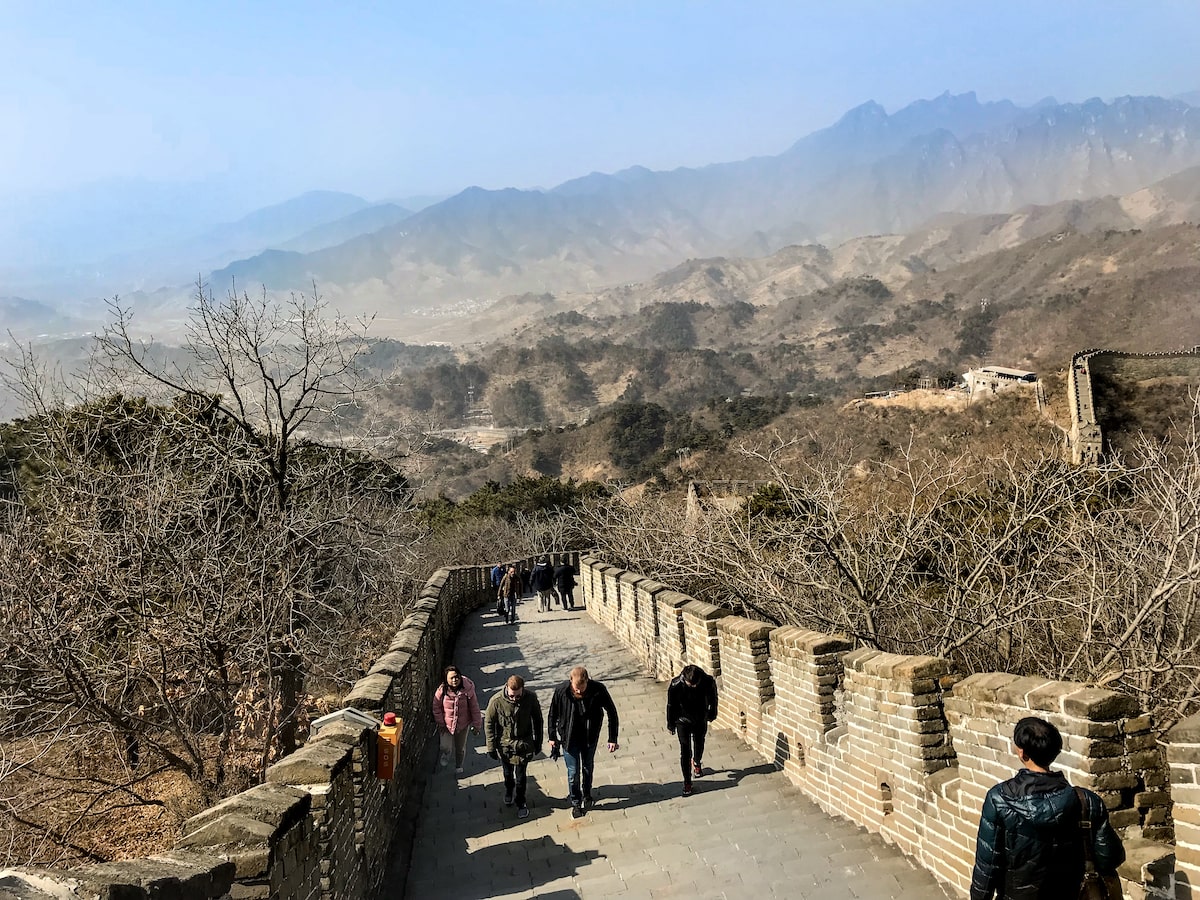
746,833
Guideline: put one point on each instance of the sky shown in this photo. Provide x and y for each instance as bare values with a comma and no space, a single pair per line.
270,99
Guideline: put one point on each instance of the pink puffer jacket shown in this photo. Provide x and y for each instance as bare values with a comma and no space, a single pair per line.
457,710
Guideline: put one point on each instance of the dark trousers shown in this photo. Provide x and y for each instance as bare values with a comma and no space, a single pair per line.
568,598
514,779
691,746
580,763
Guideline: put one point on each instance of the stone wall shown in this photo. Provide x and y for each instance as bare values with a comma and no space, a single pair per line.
1085,442
322,826
904,745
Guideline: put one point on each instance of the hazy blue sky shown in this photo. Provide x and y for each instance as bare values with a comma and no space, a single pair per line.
386,99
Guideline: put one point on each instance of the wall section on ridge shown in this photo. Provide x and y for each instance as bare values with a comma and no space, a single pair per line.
322,825
904,745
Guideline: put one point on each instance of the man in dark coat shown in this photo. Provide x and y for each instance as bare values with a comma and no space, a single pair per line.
577,711
1031,833
541,579
564,582
691,705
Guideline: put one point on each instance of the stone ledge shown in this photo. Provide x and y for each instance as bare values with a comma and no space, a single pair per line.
707,611
652,587
391,663
1186,731
814,642
315,763
277,805
750,629
36,884
369,693
181,877
1147,862
673,599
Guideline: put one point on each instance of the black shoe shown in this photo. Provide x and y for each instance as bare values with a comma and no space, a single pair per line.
588,802
576,810
508,798
687,790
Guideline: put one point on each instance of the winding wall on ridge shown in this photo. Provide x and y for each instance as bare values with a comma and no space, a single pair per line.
1085,442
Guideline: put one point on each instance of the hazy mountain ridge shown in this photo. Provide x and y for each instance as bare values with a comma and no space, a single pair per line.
868,173
909,178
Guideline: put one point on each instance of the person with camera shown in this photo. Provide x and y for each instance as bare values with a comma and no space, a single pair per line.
513,729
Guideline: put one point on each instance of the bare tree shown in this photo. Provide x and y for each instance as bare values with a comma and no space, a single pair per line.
190,560
1022,565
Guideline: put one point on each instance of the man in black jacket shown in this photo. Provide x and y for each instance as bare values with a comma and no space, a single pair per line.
564,583
1032,831
577,710
542,581
691,705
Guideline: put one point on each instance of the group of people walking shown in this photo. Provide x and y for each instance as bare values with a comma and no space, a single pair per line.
552,584
580,707
1039,837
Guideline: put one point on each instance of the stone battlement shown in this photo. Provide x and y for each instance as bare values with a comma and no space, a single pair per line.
904,745
322,825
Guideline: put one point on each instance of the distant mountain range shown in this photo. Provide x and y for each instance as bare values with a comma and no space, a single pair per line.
919,177
870,173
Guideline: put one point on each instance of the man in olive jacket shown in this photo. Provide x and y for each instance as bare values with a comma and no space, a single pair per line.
577,711
1031,833
513,728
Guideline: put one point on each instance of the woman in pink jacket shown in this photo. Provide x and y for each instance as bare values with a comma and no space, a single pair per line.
456,711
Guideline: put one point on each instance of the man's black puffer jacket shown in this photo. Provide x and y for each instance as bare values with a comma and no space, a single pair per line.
1030,843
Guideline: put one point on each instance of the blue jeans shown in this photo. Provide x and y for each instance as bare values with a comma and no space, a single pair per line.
580,763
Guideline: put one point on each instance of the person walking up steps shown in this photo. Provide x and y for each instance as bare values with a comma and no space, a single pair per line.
513,726
691,705
577,711
564,582
542,581
510,592
456,711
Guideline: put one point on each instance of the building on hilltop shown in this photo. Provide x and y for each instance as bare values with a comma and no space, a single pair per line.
988,380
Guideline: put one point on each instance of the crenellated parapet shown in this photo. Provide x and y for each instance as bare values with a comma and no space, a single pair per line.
322,825
906,746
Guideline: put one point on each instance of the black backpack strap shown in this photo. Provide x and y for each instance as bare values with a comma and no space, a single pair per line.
1085,822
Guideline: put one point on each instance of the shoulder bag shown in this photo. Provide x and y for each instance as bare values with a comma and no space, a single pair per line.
1095,886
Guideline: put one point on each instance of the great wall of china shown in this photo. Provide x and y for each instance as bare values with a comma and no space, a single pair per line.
903,745
1085,441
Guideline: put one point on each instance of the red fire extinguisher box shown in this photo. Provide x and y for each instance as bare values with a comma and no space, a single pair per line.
387,746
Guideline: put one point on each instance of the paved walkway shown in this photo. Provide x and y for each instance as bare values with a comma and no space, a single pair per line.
745,833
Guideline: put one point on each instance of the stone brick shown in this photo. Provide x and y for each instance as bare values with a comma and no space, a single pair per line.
982,686
1097,703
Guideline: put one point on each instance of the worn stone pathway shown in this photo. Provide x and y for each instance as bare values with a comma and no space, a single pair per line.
746,832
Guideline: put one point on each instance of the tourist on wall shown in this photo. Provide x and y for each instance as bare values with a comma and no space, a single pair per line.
510,592
1038,836
541,579
691,705
564,583
513,728
497,575
577,711
456,711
